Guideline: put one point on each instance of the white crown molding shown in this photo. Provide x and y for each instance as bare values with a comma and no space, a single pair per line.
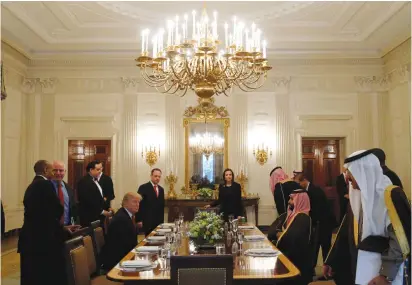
325,117
87,119
100,61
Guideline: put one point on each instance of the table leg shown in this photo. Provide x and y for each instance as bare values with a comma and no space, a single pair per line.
257,213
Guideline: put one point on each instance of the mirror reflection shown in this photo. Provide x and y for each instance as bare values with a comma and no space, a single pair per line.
206,153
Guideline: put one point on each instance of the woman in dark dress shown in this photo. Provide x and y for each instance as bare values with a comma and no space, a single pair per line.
230,197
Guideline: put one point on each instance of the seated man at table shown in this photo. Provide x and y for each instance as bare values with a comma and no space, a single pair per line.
293,235
122,232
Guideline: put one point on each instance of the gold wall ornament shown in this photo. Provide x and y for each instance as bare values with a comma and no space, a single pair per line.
193,190
171,179
262,154
206,110
151,154
242,179
216,192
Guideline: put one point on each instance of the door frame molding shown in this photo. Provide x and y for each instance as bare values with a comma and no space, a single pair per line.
346,136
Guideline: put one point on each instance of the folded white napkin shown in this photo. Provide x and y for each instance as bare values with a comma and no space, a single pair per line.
246,227
147,249
254,237
164,230
156,238
167,225
262,252
136,263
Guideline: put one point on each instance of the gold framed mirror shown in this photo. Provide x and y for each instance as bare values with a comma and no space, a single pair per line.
201,119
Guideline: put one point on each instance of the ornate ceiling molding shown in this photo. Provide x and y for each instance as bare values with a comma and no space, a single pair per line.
281,84
48,85
130,84
373,83
28,85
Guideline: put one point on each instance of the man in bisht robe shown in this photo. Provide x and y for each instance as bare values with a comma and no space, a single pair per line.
373,241
292,235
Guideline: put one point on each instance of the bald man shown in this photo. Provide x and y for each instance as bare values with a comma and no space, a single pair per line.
122,232
65,193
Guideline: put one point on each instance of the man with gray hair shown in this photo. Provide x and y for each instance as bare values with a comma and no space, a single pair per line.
64,192
122,232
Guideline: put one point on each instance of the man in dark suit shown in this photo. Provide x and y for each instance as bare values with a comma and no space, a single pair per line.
380,154
343,192
67,194
3,221
151,212
92,205
108,190
40,168
321,213
41,240
122,232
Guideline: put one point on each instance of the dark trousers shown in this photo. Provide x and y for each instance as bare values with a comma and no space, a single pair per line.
324,241
43,268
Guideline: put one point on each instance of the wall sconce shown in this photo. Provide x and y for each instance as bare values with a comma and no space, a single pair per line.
262,153
151,154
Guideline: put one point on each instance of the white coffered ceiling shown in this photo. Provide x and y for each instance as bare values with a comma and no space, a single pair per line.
293,29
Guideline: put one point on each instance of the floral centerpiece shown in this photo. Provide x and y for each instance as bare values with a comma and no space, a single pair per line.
205,193
207,227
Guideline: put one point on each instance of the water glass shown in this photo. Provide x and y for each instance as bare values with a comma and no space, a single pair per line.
181,218
169,238
231,218
163,254
220,249
240,237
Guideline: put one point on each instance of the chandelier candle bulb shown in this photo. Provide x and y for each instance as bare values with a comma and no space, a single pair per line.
194,24
226,38
264,49
253,35
177,30
147,41
215,25
169,33
234,30
247,40
143,38
185,34
258,40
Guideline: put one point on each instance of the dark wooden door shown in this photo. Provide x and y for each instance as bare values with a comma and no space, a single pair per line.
321,165
81,152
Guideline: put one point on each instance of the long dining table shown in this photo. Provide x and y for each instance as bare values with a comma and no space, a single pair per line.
247,269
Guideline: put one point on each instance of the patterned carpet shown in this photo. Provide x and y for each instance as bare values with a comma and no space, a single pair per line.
10,268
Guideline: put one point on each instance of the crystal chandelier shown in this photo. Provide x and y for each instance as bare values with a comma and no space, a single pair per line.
206,144
195,61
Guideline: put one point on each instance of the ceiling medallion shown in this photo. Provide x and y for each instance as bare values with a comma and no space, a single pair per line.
194,61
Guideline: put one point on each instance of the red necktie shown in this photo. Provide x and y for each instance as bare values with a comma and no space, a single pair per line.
157,191
61,198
